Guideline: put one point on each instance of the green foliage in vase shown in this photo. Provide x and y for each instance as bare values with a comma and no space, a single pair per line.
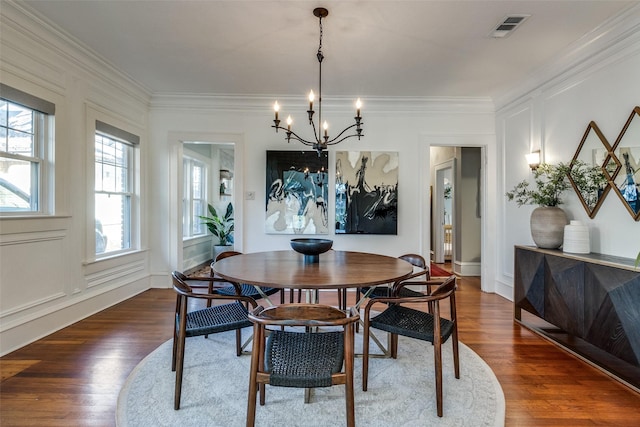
550,182
221,227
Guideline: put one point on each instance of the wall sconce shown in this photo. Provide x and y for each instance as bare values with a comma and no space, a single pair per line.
533,159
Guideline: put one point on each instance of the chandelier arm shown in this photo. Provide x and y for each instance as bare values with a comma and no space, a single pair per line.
333,141
292,135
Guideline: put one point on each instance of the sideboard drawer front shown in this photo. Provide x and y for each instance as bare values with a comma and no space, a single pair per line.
612,311
564,294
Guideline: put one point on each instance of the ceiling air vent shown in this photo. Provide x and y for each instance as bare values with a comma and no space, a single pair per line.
507,25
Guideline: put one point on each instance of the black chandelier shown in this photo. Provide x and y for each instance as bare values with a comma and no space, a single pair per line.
320,142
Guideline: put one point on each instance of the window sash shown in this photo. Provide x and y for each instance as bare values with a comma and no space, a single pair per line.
113,193
22,147
194,197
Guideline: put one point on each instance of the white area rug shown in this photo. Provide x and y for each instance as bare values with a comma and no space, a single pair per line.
401,391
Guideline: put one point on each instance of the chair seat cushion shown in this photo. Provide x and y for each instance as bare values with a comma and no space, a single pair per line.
219,318
412,323
296,359
247,291
384,291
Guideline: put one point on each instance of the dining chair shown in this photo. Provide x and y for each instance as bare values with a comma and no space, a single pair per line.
423,272
245,289
228,315
399,319
306,357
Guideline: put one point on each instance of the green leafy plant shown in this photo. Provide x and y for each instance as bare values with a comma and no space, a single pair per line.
589,180
638,260
220,226
550,182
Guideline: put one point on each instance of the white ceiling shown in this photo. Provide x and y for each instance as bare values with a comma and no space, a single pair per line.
372,48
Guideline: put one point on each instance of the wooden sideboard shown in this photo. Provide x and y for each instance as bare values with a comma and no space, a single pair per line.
589,304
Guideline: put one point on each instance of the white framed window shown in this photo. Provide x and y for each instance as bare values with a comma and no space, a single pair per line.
114,195
194,202
25,131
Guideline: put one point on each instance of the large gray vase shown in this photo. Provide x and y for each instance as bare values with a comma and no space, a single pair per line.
547,226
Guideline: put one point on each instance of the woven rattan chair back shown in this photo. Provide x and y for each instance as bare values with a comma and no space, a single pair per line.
422,274
427,324
230,313
318,352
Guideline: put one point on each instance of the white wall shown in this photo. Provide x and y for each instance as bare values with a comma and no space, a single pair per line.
389,125
603,86
48,278
48,281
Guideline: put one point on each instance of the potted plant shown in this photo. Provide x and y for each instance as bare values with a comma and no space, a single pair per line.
547,220
220,226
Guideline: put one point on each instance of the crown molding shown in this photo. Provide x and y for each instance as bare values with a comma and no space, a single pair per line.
50,37
264,103
591,52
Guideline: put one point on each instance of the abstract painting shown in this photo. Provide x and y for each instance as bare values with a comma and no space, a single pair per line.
366,192
297,192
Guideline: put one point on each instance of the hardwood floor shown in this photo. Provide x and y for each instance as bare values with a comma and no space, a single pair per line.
73,377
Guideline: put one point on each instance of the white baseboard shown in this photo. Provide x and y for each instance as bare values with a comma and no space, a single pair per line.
20,333
467,268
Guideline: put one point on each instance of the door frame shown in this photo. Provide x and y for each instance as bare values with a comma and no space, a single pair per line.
176,140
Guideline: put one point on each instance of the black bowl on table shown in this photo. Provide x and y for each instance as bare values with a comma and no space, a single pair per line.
311,248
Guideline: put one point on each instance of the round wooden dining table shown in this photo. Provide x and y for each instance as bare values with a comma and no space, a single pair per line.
335,269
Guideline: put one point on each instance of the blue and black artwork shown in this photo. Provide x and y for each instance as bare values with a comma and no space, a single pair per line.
366,192
297,192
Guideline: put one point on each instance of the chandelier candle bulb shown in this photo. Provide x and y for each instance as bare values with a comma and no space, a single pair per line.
311,98
289,121
276,108
358,106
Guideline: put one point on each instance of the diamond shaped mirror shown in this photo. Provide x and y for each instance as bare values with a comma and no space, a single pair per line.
590,169
627,151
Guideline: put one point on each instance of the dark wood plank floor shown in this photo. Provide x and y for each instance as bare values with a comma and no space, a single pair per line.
72,377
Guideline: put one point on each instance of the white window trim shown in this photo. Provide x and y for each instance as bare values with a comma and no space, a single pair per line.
94,115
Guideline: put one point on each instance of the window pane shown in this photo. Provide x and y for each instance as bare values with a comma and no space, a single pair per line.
198,227
20,118
108,177
112,216
18,185
20,143
4,107
120,182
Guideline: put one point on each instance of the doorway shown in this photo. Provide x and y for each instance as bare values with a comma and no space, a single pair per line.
443,212
456,220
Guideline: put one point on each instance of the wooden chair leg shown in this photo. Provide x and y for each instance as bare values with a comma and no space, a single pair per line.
365,352
438,366
394,346
253,385
348,369
238,342
456,358
175,350
179,370
261,345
